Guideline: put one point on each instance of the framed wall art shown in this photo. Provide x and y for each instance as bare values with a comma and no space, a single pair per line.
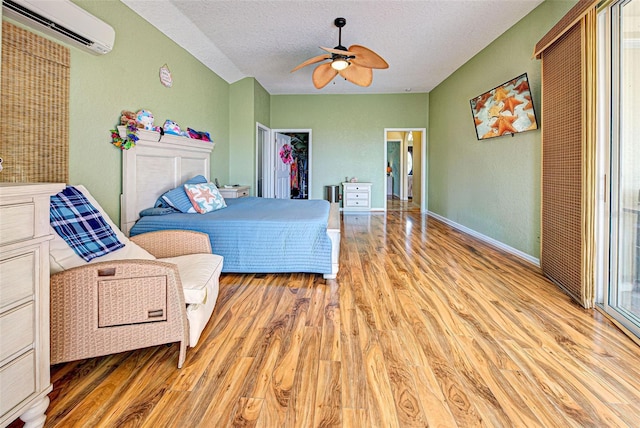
505,110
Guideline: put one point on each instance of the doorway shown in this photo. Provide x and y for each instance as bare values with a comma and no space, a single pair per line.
405,169
283,164
299,162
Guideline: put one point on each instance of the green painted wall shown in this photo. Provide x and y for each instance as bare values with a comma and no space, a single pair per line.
490,186
249,103
242,130
348,133
262,108
127,79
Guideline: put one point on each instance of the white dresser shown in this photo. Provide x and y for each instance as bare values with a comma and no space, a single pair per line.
234,192
356,196
24,301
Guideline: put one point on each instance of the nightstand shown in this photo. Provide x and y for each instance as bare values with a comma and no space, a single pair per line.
356,196
234,192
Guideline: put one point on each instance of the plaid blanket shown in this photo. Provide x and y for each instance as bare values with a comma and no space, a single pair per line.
81,225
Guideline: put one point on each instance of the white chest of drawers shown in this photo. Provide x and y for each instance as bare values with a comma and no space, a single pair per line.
234,192
24,301
356,196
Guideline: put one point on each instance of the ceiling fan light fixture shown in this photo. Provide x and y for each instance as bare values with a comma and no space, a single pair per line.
355,64
339,64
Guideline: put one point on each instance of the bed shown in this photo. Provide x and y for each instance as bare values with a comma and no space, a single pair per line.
254,235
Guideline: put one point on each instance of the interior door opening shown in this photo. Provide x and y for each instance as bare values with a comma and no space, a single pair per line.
283,163
405,169
293,154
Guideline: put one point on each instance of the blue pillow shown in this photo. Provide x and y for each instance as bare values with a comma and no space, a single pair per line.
178,199
157,211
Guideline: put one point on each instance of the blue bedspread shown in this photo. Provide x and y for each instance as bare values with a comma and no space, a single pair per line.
259,235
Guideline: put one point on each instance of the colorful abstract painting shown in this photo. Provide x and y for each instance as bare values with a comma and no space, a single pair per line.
504,110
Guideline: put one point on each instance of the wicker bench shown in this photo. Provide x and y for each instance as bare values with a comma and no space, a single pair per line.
162,290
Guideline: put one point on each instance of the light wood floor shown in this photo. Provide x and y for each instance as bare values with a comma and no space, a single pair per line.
395,204
423,327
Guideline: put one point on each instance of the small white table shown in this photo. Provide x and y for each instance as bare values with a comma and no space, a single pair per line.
356,196
234,192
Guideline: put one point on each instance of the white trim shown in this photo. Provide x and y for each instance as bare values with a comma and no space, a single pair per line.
631,43
423,165
487,239
266,154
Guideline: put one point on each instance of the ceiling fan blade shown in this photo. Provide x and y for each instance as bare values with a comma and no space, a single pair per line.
365,57
337,51
361,76
312,61
322,75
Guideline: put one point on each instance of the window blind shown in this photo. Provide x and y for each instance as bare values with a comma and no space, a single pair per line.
34,130
568,153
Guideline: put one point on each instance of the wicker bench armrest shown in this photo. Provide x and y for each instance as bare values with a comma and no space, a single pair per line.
173,243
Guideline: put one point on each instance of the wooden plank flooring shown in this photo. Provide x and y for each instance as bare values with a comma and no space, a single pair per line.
424,326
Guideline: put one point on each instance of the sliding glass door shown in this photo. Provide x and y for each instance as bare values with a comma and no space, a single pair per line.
619,122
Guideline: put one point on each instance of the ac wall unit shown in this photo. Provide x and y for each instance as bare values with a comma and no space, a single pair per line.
63,20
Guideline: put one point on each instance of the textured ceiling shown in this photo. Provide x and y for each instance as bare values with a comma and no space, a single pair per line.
424,41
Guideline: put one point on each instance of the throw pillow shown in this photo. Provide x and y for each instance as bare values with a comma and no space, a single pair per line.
205,197
177,198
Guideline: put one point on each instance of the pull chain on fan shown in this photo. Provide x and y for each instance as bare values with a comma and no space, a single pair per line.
354,64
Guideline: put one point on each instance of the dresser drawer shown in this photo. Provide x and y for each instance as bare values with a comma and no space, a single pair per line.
356,187
17,330
17,278
357,203
126,301
234,192
17,222
357,195
18,380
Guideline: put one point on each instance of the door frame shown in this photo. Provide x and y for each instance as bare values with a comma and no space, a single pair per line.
607,169
267,153
310,156
423,165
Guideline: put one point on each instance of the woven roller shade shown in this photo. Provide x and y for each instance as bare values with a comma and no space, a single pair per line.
34,130
562,162
568,152
568,21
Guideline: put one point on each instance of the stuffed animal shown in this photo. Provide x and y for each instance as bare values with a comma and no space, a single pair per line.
145,118
128,117
170,127
198,135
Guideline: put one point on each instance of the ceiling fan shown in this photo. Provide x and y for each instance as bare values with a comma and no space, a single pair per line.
354,64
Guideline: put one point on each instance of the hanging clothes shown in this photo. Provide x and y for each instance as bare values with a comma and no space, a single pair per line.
294,174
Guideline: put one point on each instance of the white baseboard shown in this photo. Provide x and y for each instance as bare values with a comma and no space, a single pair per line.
487,239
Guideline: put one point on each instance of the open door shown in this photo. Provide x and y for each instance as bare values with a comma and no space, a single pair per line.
283,159
274,177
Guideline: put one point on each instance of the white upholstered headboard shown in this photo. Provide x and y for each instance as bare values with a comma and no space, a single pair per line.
156,165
